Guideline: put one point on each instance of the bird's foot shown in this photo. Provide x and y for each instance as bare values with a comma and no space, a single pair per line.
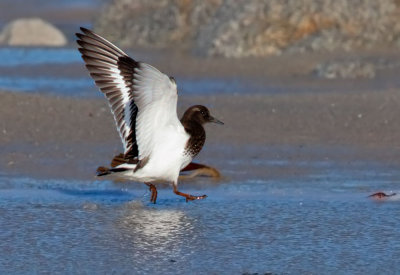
153,190
188,196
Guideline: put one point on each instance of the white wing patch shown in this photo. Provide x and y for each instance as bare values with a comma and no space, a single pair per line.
120,104
156,98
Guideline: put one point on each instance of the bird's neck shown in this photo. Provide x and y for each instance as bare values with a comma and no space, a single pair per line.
197,136
192,127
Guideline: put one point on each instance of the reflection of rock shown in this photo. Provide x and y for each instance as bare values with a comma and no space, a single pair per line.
252,28
31,32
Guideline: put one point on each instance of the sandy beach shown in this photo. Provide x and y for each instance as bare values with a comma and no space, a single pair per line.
53,136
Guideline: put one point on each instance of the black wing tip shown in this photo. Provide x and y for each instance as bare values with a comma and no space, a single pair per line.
81,49
81,35
79,41
85,32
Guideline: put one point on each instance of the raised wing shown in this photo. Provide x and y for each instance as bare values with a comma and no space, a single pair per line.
112,71
156,97
142,99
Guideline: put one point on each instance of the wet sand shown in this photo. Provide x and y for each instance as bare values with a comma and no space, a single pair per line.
51,136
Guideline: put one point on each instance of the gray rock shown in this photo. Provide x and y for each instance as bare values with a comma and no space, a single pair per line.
270,27
31,32
238,28
155,23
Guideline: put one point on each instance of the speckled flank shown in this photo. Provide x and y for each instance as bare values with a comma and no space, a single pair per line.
195,142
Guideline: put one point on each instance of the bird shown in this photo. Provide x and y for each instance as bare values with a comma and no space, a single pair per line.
143,100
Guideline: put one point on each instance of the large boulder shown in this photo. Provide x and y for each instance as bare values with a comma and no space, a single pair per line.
238,28
270,27
31,32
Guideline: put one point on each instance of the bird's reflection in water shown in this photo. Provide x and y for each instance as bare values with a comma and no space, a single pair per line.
156,233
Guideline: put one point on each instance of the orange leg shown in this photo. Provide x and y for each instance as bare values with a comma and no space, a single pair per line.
153,190
187,196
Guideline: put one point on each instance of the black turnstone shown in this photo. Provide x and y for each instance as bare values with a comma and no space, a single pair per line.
157,145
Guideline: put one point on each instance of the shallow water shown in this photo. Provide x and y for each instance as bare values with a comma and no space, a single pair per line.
61,71
321,222
26,70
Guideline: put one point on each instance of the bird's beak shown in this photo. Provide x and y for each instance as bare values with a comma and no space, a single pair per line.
213,119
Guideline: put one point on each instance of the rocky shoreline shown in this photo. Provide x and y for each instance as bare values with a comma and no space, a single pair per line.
252,28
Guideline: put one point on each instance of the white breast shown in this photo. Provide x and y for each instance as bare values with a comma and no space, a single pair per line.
168,156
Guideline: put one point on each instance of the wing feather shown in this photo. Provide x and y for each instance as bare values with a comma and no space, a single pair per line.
102,61
142,99
156,98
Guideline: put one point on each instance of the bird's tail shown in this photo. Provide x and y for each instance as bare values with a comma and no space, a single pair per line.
103,171
117,160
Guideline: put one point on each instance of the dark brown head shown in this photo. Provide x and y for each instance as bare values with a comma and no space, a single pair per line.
199,114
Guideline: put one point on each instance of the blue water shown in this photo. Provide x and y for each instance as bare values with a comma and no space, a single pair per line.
10,57
61,71
54,85
32,59
84,86
317,223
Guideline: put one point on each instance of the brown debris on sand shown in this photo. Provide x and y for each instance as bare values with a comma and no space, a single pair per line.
381,195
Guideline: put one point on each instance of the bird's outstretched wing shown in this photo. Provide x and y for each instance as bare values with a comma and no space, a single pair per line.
142,99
